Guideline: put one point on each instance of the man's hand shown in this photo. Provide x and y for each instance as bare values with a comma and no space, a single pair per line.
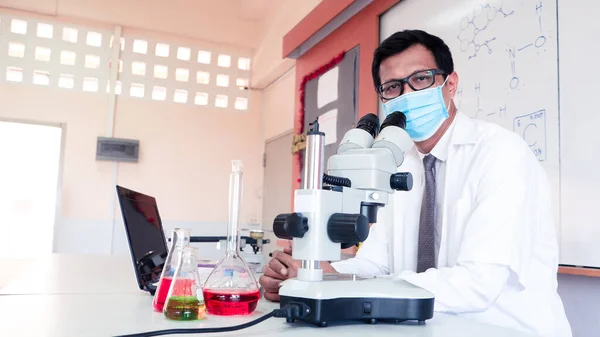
280,268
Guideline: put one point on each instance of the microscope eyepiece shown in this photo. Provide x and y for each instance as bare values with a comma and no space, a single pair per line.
369,123
401,181
396,118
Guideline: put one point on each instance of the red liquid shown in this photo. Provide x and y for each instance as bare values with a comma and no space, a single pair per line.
230,303
161,294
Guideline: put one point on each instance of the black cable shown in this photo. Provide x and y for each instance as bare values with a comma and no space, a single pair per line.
336,181
290,311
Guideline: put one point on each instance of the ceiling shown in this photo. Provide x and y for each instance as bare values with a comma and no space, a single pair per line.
256,10
231,22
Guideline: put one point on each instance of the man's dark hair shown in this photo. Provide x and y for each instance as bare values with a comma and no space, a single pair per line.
402,40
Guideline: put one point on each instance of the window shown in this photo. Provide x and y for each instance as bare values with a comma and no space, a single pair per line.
16,49
140,46
221,101
138,68
18,26
159,93
67,57
184,54
241,103
202,77
161,71
244,63
120,66
162,50
90,84
42,54
136,90
222,80
92,61
70,35
41,77
182,75
66,81
180,96
224,61
45,30
14,74
94,39
204,57
201,98
241,83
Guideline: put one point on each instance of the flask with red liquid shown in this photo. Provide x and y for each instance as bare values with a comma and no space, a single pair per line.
180,238
231,288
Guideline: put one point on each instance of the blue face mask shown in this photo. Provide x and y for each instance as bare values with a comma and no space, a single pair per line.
425,111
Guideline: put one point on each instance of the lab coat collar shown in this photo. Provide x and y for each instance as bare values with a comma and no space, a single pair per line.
464,130
440,150
460,132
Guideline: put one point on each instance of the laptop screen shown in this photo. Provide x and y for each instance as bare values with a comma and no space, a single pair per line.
145,235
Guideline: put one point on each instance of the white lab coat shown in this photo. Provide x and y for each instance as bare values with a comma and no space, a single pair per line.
498,255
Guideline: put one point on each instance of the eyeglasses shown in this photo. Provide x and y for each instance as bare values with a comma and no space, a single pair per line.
417,81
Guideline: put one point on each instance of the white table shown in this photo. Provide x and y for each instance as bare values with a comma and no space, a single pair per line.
72,303
75,274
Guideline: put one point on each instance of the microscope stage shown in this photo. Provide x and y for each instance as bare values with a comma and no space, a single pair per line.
350,297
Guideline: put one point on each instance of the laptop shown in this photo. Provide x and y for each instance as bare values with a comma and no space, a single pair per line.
145,235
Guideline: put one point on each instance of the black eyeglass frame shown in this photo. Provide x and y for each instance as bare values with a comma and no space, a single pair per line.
405,80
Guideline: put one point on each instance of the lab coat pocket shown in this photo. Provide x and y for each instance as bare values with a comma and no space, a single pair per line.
458,216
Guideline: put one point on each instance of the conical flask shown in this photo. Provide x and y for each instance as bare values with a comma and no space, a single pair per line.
180,238
231,288
184,300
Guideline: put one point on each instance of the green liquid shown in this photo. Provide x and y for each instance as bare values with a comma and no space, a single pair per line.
184,308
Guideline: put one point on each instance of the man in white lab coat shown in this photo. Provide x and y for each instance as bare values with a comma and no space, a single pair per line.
477,231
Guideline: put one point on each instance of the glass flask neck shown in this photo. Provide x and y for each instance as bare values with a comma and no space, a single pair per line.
188,259
235,196
181,238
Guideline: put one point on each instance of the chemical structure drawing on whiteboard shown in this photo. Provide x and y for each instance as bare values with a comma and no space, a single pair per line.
472,27
532,127
539,42
499,111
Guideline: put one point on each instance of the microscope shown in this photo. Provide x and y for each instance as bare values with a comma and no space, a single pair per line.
334,210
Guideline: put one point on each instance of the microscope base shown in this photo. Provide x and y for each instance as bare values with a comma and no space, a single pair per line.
357,299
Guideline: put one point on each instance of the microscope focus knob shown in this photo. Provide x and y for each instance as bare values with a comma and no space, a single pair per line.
347,228
290,225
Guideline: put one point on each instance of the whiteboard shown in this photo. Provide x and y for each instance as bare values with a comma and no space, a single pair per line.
506,55
579,131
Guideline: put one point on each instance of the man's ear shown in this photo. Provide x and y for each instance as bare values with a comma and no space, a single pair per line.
452,84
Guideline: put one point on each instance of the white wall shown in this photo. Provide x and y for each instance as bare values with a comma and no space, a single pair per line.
273,75
278,106
268,63
185,149
581,298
